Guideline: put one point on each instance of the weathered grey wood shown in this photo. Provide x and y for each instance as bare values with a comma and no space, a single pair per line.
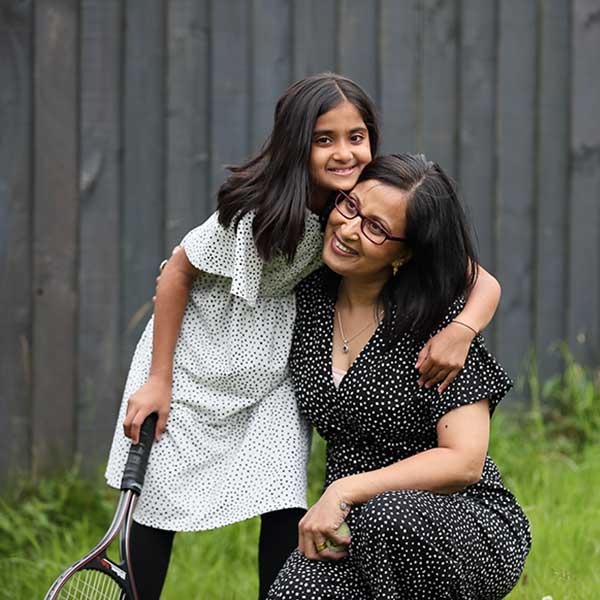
314,39
584,201
230,69
357,44
399,53
55,220
271,64
142,243
477,133
515,181
552,182
15,238
439,82
99,256
188,90
503,93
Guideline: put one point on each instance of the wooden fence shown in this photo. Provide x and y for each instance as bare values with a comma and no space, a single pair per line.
116,118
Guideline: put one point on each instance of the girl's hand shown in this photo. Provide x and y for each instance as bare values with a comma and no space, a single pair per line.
320,524
153,396
443,356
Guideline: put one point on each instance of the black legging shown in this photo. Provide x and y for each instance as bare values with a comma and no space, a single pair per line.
151,551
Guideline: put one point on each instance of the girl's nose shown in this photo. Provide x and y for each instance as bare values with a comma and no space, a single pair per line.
343,152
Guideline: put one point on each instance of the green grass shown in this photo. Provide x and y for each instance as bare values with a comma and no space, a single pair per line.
550,459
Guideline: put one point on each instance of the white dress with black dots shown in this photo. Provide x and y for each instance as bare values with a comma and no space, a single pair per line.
235,445
406,544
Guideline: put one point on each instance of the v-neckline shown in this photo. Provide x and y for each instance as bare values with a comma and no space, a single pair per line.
359,358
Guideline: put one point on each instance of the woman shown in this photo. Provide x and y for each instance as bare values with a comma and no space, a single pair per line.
213,360
407,467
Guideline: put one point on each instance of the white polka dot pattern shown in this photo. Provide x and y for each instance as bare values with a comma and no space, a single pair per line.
235,444
405,544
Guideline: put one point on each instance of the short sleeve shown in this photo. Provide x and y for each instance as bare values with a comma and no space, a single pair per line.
227,252
481,378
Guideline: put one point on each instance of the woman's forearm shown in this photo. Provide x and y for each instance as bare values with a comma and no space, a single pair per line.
440,470
482,301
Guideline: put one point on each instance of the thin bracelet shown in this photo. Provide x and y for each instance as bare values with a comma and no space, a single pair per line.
467,326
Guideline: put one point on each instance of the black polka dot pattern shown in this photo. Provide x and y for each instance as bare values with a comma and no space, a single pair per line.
405,544
235,444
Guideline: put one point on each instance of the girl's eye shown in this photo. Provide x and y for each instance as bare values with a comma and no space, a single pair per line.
322,140
357,138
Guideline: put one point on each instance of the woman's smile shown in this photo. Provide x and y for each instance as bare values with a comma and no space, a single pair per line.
340,248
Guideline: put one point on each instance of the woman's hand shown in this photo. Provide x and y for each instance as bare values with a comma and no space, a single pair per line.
153,396
443,356
320,524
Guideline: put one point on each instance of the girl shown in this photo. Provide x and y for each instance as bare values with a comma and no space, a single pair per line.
407,468
213,359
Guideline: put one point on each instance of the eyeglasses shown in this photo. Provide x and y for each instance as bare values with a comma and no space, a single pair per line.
372,230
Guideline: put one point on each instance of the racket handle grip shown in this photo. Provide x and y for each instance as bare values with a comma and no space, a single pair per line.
137,461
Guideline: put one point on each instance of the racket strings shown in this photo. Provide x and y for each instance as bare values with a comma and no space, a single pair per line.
91,585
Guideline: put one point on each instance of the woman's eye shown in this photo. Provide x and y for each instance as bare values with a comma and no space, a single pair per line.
375,228
357,138
322,141
351,204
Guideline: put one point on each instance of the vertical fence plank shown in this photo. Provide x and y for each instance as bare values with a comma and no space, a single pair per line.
15,238
230,100
99,259
440,73
477,138
552,182
315,30
515,182
358,44
188,201
399,56
56,31
143,177
584,214
271,64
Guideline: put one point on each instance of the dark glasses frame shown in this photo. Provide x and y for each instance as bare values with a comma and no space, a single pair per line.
341,196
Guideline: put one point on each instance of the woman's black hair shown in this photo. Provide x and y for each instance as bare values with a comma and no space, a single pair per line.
276,182
443,261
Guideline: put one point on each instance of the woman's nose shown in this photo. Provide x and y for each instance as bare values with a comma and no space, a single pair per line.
351,227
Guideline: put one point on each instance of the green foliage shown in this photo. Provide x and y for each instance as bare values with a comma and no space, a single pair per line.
548,454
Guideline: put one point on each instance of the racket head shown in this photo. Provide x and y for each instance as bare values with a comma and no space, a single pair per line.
95,576
94,582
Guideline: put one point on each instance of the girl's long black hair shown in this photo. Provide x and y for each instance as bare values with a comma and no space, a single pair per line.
443,263
276,182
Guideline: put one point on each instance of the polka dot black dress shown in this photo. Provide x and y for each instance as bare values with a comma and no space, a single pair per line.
407,544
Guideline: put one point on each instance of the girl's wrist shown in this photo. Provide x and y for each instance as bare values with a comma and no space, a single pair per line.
164,375
467,327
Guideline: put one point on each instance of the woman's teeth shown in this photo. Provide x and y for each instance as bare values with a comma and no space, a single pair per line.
343,248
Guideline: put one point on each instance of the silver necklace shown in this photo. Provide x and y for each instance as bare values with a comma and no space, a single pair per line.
345,346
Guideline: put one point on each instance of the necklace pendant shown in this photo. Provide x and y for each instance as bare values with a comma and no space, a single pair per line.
345,349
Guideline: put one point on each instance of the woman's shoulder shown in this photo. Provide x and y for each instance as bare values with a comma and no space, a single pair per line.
315,290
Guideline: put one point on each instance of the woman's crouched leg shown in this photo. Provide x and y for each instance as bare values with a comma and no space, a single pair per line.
304,579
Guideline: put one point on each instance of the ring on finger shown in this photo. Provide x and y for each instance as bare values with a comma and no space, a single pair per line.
320,547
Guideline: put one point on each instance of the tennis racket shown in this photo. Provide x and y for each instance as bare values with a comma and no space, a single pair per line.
95,577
